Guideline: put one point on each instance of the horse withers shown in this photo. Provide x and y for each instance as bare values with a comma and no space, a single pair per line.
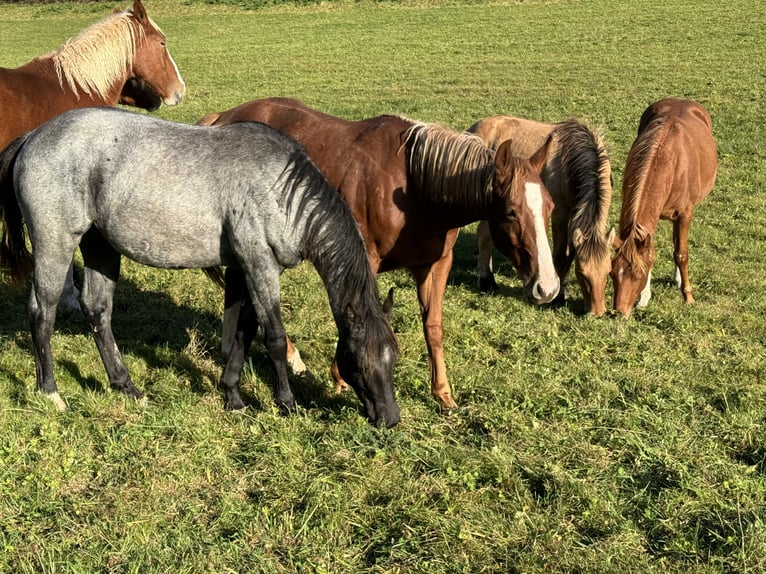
410,187
178,196
122,58
578,176
671,167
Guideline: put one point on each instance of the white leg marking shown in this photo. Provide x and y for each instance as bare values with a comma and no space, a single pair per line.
296,364
646,293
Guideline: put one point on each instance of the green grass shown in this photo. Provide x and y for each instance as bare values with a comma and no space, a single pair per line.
581,445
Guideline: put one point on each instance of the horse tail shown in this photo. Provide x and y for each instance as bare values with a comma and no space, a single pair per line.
208,119
15,258
215,274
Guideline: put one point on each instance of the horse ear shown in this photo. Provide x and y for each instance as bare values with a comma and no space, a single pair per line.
139,12
538,159
388,304
503,157
611,237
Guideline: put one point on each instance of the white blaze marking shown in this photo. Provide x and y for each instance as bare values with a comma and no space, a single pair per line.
545,271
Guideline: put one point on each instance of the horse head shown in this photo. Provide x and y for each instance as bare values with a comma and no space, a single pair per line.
154,74
520,219
592,271
630,269
365,357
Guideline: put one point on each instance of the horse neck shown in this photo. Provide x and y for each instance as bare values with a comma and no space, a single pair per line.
452,174
44,69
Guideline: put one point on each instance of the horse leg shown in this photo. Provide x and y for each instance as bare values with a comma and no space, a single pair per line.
681,255
432,282
264,293
44,296
563,251
234,292
244,333
101,271
486,276
70,297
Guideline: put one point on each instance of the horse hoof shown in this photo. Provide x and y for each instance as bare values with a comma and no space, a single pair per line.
446,403
234,405
488,284
56,399
296,364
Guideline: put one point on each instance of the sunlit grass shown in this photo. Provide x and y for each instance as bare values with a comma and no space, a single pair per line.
581,445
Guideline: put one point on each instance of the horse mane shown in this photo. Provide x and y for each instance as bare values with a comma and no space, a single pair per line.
585,161
637,168
449,166
342,264
97,57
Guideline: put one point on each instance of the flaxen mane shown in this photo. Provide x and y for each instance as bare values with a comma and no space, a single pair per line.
451,167
637,168
586,163
96,58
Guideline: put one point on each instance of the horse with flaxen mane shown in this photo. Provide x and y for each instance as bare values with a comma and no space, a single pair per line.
178,196
120,59
671,167
410,187
578,176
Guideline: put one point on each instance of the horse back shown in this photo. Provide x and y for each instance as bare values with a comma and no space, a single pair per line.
364,160
687,156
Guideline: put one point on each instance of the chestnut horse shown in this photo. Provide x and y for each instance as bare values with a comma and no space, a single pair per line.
671,167
410,187
120,59
578,176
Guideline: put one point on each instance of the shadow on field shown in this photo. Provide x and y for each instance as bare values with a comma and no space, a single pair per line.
149,325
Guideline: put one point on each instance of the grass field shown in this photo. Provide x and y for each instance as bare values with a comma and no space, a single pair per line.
581,445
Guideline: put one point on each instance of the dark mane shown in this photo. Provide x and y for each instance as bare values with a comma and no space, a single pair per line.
449,166
333,243
586,163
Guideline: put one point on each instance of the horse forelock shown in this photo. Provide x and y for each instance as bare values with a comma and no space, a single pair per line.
629,247
586,163
449,166
100,55
638,167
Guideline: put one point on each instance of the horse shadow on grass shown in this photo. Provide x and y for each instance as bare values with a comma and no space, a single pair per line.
150,326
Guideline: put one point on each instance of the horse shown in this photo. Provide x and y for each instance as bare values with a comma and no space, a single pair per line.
671,167
578,175
411,186
119,59
172,195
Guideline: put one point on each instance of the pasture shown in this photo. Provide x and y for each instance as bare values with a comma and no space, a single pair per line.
580,445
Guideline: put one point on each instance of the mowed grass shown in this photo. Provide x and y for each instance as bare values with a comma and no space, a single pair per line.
581,445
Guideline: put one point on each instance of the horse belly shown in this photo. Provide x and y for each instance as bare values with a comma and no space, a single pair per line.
167,244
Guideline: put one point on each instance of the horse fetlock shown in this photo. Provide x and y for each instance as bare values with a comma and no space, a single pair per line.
487,284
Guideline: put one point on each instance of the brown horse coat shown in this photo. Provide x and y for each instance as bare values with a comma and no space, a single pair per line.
671,167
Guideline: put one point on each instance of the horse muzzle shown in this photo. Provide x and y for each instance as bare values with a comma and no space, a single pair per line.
540,293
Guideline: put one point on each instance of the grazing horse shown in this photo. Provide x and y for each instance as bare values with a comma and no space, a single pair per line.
410,187
671,167
120,59
178,196
578,176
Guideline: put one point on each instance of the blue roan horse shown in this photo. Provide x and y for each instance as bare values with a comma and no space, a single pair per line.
178,196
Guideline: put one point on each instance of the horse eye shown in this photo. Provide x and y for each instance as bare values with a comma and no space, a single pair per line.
511,214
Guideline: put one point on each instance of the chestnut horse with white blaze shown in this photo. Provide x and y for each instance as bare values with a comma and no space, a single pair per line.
671,167
410,187
578,176
122,58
